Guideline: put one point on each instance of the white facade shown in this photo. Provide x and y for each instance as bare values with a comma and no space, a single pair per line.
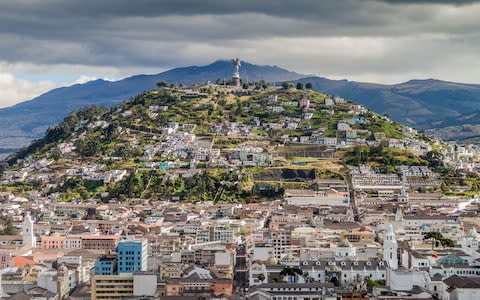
27,232
262,253
345,250
223,258
390,248
464,294
144,284
404,280
73,242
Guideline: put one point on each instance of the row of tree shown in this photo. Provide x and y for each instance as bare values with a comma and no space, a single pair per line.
439,239
299,86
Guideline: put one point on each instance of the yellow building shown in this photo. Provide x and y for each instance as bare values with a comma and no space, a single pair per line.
112,286
362,234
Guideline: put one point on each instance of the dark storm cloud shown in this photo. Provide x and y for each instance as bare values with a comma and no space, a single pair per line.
162,34
118,32
453,2
153,8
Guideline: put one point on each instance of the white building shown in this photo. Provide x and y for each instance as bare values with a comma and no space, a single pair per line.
390,248
28,237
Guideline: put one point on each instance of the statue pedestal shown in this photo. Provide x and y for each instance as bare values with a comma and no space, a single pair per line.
236,81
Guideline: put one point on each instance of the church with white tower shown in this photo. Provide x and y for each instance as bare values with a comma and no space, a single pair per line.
28,236
390,248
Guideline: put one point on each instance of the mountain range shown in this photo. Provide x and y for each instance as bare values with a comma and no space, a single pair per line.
423,104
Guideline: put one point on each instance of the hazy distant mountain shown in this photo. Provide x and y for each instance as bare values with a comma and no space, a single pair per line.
422,104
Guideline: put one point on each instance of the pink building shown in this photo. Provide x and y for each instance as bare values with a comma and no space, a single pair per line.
53,242
6,258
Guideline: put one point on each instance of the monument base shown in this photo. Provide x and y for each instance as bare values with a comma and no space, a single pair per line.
236,81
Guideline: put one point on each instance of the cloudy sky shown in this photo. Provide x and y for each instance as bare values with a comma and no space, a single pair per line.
49,43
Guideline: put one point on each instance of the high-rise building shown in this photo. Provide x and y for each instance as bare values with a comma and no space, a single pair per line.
132,256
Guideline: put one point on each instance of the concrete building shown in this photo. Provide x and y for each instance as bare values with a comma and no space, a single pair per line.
73,242
304,197
53,242
291,291
126,286
132,256
106,265
99,242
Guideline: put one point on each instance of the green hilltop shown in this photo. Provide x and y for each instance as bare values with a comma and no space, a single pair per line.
213,142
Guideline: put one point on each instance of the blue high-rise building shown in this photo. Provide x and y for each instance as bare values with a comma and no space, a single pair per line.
132,256
106,265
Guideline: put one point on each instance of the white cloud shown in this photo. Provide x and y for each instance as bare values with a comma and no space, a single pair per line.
14,90
84,79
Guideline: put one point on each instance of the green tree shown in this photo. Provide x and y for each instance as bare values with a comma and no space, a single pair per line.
473,183
9,229
87,147
445,242
56,154
437,236
162,84
375,283
308,86
291,271
299,86
287,85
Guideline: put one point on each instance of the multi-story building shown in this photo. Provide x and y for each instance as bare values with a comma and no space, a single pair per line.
99,242
106,265
171,270
132,256
53,242
127,286
305,197
215,233
280,241
316,291
73,242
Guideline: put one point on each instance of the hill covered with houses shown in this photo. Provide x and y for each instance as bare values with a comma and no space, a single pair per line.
212,142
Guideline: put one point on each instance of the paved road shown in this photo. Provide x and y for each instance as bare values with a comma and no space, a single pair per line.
241,270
